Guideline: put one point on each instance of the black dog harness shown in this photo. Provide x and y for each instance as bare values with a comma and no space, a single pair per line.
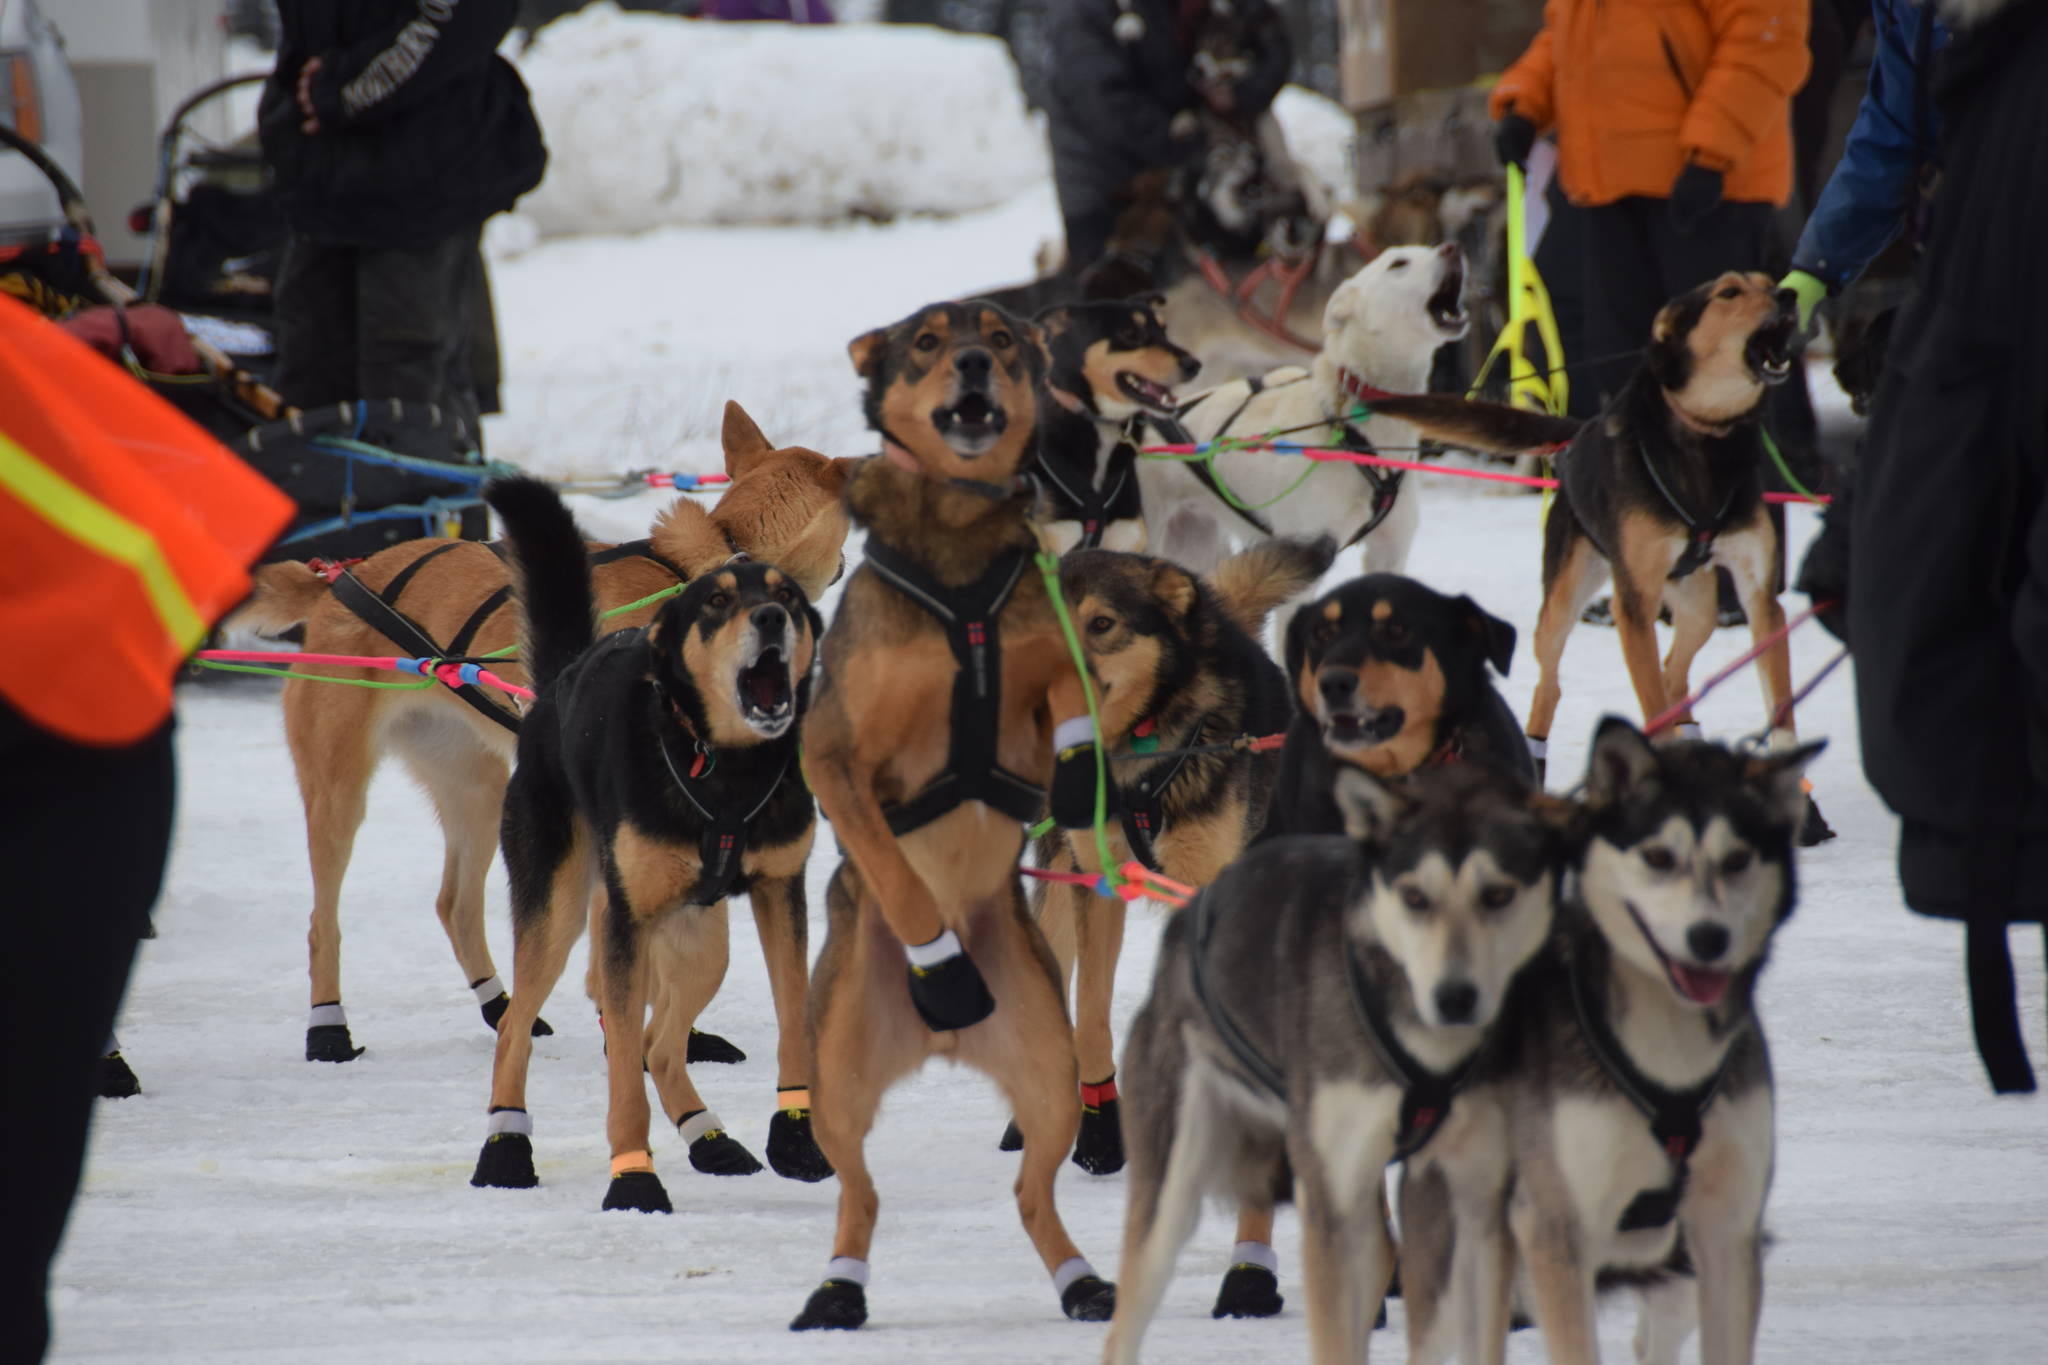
722,847
969,615
1699,536
1426,1096
1141,807
1116,500
1386,484
379,611
1675,1115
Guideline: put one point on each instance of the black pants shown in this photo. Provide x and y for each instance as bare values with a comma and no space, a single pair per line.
379,322
83,837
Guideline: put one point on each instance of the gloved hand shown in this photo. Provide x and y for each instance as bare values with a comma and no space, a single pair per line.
1513,136
1072,796
1694,195
945,985
1810,289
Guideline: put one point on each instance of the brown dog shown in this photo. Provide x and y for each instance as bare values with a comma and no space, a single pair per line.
929,744
783,507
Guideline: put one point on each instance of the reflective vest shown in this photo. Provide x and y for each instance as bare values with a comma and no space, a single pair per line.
126,532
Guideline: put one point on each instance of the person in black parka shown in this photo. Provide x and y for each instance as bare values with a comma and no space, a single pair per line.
1122,99
393,130
1942,555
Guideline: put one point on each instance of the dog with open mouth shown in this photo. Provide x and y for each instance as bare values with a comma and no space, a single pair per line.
1108,365
660,765
1633,1070
1381,331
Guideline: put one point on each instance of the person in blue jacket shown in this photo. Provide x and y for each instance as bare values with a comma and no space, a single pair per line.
1876,186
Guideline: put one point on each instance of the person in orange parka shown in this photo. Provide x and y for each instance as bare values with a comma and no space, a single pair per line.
1674,135
126,532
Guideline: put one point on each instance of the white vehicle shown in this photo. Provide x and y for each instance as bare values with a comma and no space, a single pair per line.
39,100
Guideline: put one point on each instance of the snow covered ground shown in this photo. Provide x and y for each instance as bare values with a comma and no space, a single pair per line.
253,1207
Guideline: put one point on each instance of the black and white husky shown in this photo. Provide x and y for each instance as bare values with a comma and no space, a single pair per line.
1315,1011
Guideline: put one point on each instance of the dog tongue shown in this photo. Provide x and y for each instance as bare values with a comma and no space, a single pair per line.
1699,984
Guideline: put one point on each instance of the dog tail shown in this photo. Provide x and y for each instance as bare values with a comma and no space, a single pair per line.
1489,428
558,610
1252,582
285,595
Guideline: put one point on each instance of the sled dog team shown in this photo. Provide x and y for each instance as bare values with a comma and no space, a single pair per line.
1404,952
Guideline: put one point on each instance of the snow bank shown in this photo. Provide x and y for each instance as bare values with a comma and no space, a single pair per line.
653,121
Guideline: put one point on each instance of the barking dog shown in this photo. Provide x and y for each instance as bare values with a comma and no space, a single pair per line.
1380,330
1636,1078
1315,1011
1108,365
1390,676
929,747
659,764
783,507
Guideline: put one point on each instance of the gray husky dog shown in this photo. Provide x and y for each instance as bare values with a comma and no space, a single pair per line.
1633,1074
1315,1011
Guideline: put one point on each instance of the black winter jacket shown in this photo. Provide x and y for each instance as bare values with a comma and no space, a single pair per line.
1111,103
424,129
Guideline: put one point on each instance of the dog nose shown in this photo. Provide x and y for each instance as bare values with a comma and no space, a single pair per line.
1457,1002
1450,251
974,364
1338,686
769,619
1189,367
1786,299
1707,941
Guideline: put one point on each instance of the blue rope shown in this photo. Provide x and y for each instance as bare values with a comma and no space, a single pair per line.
430,513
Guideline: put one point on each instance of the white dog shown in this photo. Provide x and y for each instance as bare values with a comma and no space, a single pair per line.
1380,332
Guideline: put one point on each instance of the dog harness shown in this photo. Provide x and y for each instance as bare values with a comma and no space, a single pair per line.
1116,500
970,617
1699,537
1426,1096
1141,807
1675,1115
379,611
722,847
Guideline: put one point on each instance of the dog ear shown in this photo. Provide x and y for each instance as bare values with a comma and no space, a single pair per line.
1036,348
1294,649
1369,806
1174,589
1669,358
1621,759
1781,779
743,441
839,472
1053,321
866,350
1496,637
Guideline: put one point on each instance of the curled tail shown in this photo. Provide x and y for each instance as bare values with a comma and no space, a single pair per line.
1253,581
1489,428
558,611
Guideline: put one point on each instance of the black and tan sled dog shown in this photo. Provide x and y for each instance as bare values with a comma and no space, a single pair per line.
945,681
1108,366
1390,676
1661,488
659,766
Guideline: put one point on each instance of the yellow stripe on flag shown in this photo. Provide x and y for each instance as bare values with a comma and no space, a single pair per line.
100,528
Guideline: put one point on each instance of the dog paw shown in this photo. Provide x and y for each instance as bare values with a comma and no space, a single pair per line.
117,1078
709,1047
839,1305
1089,1298
792,1151
1813,827
1013,1139
330,1043
637,1192
1099,1146
506,1163
1249,1291
715,1153
494,1010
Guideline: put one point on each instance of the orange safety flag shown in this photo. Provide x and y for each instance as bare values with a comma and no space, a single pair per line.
126,532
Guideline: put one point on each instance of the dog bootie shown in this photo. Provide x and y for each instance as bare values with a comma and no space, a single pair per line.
1099,1146
506,1162
635,1188
1813,826
946,986
492,998
1013,1139
1249,1291
327,1038
793,1152
841,1302
1071,798
712,1150
117,1078
709,1047
1084,1295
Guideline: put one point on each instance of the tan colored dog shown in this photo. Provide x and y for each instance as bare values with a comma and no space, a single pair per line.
783,508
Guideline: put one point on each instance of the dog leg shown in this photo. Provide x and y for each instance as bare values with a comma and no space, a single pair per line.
335,753
782,918
1165,1198
1666,1316
1766,618
1694,606
688,953
1580,575
1562,1289
1386,549
622,987
1099,1147
1346,1260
